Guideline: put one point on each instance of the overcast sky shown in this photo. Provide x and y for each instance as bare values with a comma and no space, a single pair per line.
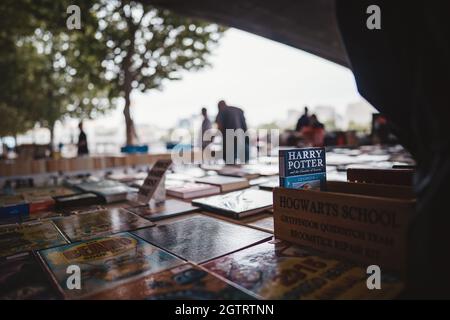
263,77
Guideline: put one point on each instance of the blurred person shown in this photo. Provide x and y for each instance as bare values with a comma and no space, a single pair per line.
303,121
314,132
206,125
230,117
82,141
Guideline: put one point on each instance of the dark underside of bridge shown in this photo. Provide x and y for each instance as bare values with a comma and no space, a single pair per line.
403,70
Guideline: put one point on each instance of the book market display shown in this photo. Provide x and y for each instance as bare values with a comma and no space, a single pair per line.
289,227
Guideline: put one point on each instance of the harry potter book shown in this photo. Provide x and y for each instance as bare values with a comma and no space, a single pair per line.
186,282
87,225
302,168
106,262
201,238
237,204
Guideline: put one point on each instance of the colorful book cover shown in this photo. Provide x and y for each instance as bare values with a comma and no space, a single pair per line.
186,282
201,238
277,270
86,225
303,168
22,278
15,238
106,262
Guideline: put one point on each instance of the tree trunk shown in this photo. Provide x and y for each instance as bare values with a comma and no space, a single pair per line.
52,138
129,123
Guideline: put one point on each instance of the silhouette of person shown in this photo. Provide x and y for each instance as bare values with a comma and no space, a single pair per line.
82,141
303,121
230,117
206,125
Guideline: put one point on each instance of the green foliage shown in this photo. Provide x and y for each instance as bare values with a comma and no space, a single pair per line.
50,72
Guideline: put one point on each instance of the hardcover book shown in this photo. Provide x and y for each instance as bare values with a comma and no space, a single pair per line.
186,282
22,278
167,209
278,270
110,191
237,204
189,190
201,238
87,225
106,262
225,183
13,206
16,238
302,168
77,200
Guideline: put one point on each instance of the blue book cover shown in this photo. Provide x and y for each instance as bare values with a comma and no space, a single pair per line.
303,168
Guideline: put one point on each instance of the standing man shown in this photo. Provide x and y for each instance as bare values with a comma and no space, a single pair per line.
82,141
303,121
206,125
230,117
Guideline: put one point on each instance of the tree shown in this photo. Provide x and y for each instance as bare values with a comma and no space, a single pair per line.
48,73
146,46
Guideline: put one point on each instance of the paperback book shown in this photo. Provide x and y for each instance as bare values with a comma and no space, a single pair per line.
86,225
16,238
105,262
237,204
23,278
186,282
201,238
303,168
278,270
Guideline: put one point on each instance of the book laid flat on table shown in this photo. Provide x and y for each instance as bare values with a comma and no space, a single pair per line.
186,282
201,238
111,191
274,270
77,200
23,278
236,171
270,185
167,209
264,223
13,206
189,190
41,199
86,225
237,204
302,168
16,238
225,183
106,262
